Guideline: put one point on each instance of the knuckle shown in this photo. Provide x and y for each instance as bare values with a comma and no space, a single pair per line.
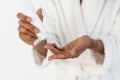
18,15
22,29
31,27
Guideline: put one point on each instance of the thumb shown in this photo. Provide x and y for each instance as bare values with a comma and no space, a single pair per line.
73,51
39,13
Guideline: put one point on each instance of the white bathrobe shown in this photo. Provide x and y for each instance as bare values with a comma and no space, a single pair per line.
67,20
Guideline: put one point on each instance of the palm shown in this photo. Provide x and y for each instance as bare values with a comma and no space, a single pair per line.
70,50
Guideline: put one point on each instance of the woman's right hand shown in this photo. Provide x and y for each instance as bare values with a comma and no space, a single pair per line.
27,31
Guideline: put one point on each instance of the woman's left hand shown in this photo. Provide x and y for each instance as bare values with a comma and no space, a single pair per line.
70,50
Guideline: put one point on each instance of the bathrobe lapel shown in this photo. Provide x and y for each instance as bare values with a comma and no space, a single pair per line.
93,12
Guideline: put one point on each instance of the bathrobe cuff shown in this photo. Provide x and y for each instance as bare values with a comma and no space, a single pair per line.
108,50
41,60
38,58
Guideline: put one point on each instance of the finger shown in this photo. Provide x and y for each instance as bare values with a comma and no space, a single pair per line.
73,52
39,13
52,48
26,31
24,36
48,45
29,26
27,38
55,51
23,17
31,41
61,56
55,46
58,56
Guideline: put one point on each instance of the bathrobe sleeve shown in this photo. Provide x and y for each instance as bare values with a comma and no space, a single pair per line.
112,46
49,21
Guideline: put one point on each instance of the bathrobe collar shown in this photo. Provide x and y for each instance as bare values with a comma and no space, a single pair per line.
94,12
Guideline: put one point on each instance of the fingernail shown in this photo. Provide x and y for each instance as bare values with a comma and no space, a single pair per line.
36,30
28,19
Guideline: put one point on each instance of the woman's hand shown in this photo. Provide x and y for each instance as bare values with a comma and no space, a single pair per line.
70,50
27,31
75,48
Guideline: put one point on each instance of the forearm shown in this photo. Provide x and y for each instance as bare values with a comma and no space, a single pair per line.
40,48
96,45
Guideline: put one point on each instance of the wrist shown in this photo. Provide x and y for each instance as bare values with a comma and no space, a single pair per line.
87,40
40,48
96,45
90,43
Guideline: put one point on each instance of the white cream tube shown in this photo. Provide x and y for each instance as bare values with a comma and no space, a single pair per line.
28,9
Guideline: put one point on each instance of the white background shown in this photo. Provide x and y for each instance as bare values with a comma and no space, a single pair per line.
16,61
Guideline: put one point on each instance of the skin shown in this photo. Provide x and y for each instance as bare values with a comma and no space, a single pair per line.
71,50
27,33
74,48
